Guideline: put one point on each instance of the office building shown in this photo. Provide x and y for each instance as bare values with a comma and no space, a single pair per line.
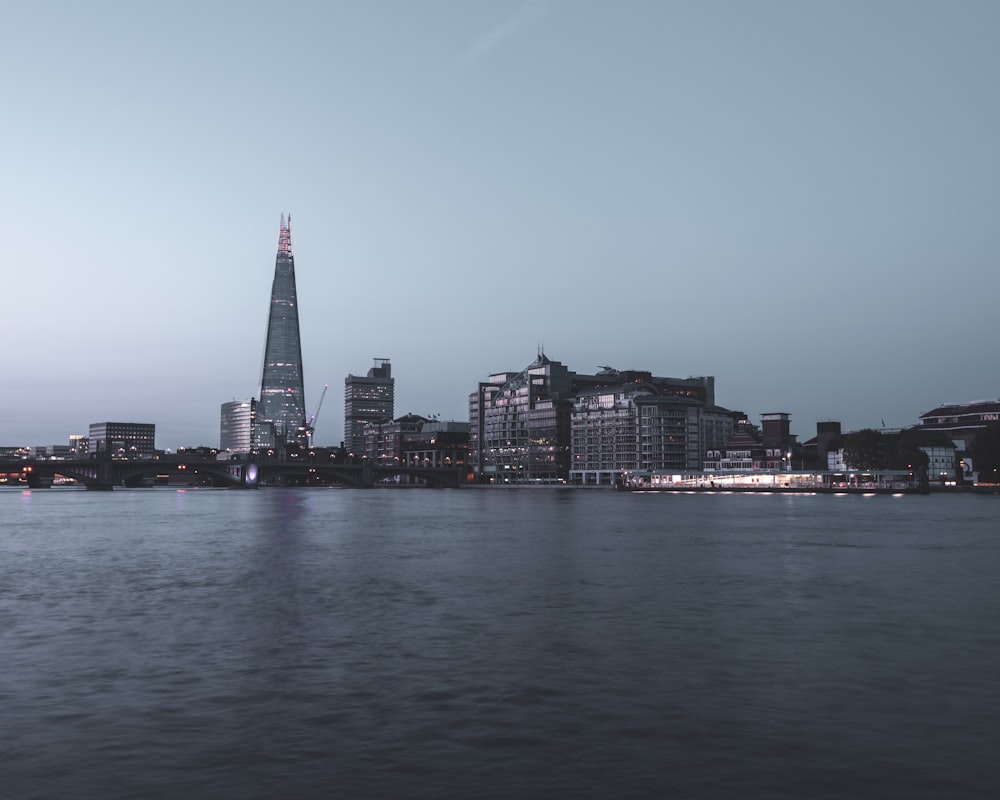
548,424
281,410
643,422
367,399
236,425
122,439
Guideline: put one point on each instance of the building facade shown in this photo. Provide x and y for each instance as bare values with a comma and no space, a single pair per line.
281,410
367,399
961,421
383,440
549,424
438,443
236,425
121,440
520,424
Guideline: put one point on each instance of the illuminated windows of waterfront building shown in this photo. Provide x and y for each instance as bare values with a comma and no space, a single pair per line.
122,439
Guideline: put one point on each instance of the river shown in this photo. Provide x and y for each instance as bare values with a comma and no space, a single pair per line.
497,643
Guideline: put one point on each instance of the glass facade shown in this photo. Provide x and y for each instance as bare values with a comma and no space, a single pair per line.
281,411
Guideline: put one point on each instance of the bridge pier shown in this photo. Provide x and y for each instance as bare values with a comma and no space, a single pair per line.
36,481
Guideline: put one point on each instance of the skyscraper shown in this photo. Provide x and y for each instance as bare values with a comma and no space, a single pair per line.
367,399
281,411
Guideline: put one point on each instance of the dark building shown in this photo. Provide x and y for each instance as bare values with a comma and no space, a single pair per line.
777,439
281,410
437,444
122,439
383,440
367,399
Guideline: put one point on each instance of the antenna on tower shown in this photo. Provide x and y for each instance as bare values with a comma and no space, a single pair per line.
285,235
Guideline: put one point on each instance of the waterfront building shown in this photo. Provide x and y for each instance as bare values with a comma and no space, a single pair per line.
415,441
122,439
79,445
367,399
743,450
438,443
961,421
383,440
17,452
281,410
547,423
53,452
644,423
777,439
520,423
942,454
236,425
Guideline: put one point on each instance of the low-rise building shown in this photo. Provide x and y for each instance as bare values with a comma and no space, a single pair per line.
122,439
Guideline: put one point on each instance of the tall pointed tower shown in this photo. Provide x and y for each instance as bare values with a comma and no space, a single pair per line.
281,411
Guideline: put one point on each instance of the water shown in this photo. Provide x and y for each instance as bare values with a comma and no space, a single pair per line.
497,643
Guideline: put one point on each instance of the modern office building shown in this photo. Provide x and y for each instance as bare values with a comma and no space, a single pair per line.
281,409
644,423
367,399
548,424
519,424
236,425
122,439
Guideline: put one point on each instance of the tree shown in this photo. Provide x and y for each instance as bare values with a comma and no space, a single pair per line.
866,449
985,452
904,454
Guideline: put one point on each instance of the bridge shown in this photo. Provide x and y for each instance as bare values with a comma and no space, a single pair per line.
184,470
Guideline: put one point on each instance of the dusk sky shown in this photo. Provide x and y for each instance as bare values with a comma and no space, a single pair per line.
799,198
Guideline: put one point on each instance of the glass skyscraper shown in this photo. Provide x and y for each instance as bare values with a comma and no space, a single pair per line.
281,410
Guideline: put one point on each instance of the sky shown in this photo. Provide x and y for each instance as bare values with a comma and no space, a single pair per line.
800,199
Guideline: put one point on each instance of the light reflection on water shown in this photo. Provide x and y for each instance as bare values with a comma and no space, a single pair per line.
482,643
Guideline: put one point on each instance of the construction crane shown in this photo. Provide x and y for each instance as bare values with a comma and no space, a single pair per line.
312,420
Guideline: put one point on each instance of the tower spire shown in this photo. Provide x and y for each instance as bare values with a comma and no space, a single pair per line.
285,236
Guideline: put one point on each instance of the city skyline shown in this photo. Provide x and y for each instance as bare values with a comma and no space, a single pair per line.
796,200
